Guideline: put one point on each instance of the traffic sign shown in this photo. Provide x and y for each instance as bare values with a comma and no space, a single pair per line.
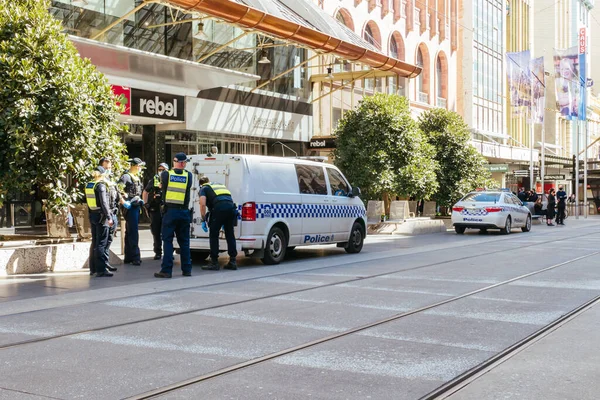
554,177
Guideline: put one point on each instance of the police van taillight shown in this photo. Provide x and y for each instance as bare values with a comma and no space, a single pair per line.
249,211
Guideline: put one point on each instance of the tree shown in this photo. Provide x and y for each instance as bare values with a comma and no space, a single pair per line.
461,167
381,150
58,115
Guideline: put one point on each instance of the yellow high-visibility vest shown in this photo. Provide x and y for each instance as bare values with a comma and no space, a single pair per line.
90,196
218,189
177,187
156,181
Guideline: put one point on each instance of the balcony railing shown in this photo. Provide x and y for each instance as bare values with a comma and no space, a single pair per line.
423,97
441,102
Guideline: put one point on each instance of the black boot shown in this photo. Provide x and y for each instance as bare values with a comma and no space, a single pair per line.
213,265
232,264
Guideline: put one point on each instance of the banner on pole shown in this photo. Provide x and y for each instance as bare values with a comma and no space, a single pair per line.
519,81
538,96
582,73
566,66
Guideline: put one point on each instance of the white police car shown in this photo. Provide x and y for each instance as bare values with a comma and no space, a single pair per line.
490,210
283,203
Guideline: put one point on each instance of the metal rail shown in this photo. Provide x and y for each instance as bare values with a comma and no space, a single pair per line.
236,367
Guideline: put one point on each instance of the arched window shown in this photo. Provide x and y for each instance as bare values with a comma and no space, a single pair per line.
420,76
372,35
423,60
439,77
344,17
368,35
441,80
393,48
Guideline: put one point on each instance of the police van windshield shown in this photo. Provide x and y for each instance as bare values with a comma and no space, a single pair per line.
482,197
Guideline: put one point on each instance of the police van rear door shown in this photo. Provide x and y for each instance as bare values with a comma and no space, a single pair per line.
218,169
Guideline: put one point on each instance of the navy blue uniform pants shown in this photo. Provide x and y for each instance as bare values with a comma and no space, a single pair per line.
176,222
132,235
111,235
155,228
100,235
223,215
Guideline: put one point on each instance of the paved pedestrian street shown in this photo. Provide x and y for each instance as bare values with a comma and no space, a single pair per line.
401,320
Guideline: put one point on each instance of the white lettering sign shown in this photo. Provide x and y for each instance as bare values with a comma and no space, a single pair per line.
158,107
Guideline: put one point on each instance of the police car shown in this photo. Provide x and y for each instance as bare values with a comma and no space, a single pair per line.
283,203
491,210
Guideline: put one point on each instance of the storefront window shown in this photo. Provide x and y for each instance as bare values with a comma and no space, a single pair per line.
152,29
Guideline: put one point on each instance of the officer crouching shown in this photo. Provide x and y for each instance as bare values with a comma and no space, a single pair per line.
101,219
223,213
176,219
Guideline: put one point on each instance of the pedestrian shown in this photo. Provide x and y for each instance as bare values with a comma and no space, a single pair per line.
550,207
152,197
223,213
561,199
114,199
176,218
533,195
522,195
538,207
101,219
133,189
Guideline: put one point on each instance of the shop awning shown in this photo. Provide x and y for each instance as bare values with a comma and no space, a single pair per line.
303,23
136,68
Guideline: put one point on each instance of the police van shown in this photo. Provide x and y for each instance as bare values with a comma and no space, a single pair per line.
282,203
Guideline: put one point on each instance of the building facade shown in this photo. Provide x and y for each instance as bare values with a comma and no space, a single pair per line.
422,33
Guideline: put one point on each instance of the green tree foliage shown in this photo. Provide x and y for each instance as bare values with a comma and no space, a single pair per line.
381,150
461,167
57,113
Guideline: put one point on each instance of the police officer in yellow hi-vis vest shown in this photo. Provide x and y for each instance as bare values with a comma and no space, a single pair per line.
223,213
152,196
176,187
101,219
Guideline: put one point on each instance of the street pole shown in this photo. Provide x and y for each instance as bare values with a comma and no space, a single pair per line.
531,136
576,172
543,160
585,169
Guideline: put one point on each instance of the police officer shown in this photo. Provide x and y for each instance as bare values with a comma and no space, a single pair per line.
223,213
152,197
133,190
176,187
114,199
101,219
561,203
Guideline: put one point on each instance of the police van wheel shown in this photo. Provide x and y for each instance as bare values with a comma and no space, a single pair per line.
355,244
275,247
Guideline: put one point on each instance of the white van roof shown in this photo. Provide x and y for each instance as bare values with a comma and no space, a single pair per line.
287,160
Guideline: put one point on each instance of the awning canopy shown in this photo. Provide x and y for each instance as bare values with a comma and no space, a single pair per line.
303,23
136,68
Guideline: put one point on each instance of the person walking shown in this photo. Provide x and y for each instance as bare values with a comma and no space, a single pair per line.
223,213
152,197
133,187
550,207
101,219
561,200
176,219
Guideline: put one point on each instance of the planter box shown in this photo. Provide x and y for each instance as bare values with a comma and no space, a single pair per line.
44,258
81,217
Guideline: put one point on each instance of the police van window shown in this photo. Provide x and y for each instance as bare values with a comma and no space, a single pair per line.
311,179
279,178
482,196
337,183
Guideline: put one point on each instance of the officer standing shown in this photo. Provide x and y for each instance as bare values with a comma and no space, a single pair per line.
176,187
133,190
101,219
152,197
114,199
561,203
223,213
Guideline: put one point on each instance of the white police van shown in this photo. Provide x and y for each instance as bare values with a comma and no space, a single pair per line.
283,203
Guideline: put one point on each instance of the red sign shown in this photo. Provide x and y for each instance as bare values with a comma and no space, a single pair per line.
124,93
582,41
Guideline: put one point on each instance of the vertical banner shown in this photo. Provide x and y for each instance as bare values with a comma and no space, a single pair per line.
519,81
566,66
582,73
538,84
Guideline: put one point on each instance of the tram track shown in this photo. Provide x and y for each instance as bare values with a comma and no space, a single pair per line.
158,392
245,301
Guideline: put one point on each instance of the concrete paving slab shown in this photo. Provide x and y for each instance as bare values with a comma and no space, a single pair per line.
348,368
562,365
17,395
424,286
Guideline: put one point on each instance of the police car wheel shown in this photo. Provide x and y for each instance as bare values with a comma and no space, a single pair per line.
275,247
527,226
355,244
507,226
459,229
199,256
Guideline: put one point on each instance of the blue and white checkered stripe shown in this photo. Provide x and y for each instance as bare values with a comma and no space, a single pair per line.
288,211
